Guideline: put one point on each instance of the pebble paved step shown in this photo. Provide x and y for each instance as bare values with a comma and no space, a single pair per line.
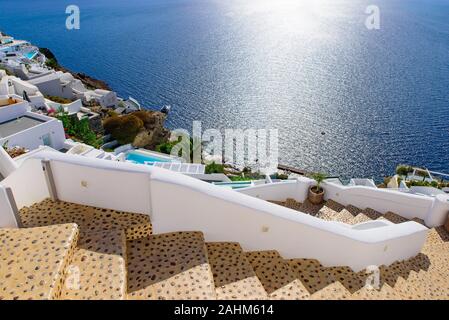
98,268
334,205
170,266
393,217
365,216
276,276
331,215
360,218
234,276
293,204
411,288
384,293
334,291
33,261
315,277
89,219
353,210
434,285
309,208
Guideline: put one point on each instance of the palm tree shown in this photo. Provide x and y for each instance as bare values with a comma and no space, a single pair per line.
319,178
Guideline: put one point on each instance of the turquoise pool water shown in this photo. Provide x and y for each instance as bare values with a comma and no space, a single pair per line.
30,55
234,185
142,158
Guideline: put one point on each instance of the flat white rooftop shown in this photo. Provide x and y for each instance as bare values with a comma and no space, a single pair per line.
10,127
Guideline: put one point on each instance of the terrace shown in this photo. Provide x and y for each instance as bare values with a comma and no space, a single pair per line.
8,101
14,126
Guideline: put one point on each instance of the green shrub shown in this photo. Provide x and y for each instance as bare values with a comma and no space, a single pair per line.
47,53
319,178
166,147
52,63
214,168
279,176
403,170
78,129
239,178
423,184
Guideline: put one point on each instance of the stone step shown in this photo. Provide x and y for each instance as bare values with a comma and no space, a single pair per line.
366,215
360,218
170,266
434,284
276,276
98,268
33,261
234,276
411,288
89,219
316,277
334,211
393,217
372,214
384,293
310,208
333,291
330,215
353,210
334,205
428,277
292,204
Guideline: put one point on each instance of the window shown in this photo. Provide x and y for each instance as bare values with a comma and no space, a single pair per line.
46,139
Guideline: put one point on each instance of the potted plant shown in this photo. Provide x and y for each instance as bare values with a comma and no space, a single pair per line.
316,193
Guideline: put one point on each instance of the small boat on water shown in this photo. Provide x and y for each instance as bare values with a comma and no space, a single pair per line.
166,109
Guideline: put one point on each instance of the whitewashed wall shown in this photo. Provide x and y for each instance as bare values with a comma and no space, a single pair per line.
225,215
13,111
27,183
20,86
32,138
293,189
7,218
7,164
430,209
105,188
180,203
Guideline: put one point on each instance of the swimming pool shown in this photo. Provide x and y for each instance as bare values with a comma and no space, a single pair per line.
142,157
30,55
234,185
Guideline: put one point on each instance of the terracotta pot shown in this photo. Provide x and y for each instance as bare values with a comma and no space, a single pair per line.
316,196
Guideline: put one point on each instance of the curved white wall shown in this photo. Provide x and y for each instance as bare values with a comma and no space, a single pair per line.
433,210
180,203
7,164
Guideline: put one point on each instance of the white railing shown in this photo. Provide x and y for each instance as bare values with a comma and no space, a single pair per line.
176,202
